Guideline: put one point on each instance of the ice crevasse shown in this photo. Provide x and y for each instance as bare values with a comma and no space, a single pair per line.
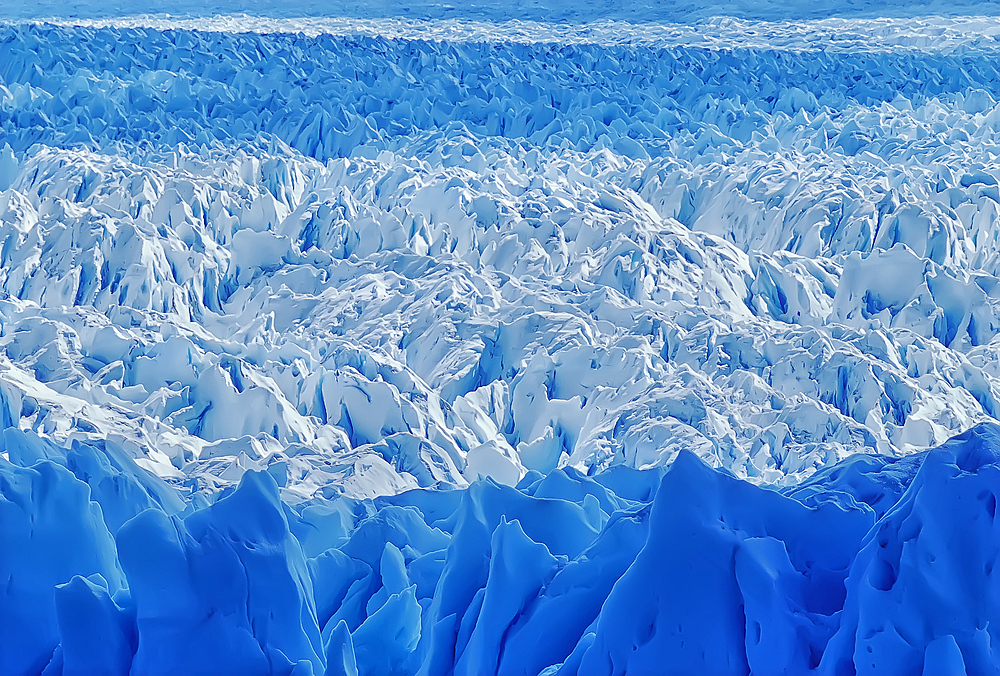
472,346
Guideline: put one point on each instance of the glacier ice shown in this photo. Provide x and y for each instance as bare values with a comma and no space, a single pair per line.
874,565
769,254
471,345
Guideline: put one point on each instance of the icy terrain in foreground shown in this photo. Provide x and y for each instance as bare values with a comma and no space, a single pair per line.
486,347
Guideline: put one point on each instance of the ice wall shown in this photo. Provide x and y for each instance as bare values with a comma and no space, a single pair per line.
874,565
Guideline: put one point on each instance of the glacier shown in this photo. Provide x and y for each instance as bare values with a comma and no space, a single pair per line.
550,339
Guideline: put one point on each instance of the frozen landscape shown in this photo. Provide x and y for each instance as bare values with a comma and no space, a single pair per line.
539,339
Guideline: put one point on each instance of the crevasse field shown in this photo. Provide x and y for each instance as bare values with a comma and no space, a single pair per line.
541,338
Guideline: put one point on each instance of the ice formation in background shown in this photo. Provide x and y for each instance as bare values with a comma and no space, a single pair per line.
485,347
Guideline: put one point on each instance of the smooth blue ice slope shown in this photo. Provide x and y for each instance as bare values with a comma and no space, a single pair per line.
471,345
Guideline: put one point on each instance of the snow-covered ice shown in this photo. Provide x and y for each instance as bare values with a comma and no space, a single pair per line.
486,340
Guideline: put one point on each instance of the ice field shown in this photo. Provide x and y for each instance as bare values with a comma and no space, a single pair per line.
551,339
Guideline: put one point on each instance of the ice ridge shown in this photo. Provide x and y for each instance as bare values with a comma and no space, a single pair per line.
854,571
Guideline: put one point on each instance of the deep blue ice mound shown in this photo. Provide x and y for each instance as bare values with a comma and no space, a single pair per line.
875,565
51,534
921,592
731,578
229,583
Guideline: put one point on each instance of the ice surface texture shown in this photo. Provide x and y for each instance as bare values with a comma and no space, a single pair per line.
363,346
379,263
875,565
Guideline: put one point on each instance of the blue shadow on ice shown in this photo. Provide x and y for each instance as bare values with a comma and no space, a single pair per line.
874,565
